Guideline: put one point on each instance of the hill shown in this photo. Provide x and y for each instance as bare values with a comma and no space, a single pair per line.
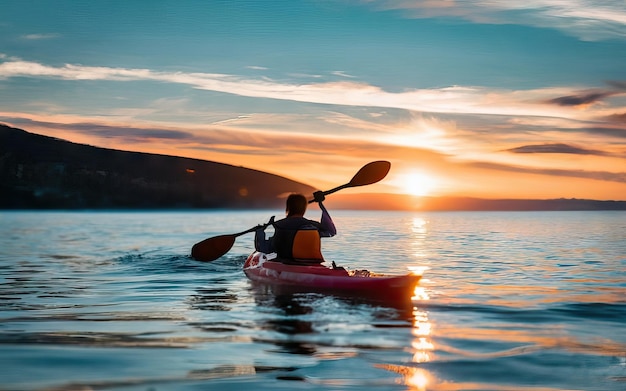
44,172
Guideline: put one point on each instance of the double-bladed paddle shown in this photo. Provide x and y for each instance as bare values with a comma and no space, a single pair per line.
211,249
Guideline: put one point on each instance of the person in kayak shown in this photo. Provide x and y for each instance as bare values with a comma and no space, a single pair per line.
296,239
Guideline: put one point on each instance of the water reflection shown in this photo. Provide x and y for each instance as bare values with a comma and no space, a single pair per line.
418,379
215,299
291,325
413,376
326,327
419,235
289,320
421,345
419,225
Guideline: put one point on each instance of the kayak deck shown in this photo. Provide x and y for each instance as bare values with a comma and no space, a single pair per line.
319,278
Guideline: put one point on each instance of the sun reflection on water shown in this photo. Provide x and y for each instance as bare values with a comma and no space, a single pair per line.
419,225
421,346
419,230
418,379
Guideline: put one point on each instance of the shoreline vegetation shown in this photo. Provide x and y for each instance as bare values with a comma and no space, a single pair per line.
45,173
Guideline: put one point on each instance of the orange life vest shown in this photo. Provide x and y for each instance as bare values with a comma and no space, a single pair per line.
307,245
297,240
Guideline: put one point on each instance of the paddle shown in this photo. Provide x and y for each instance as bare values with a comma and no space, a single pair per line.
368,174
211,249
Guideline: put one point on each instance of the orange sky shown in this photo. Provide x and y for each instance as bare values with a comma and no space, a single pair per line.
459,166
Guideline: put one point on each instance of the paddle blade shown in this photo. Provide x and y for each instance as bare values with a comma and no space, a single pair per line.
212,248
371,173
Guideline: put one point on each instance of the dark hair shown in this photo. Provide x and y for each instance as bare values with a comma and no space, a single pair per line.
296,204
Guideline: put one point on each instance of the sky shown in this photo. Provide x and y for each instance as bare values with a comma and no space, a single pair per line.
491,99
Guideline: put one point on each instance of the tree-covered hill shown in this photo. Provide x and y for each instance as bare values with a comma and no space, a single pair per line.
44,172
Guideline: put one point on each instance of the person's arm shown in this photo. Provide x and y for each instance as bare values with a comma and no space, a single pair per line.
327,228
260,242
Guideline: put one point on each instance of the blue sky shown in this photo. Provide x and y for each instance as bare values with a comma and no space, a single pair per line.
492,99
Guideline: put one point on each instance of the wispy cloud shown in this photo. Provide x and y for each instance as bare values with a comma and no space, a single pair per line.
590,20
619,177
556,148
454,99
98,129
584,98
619,84
342,74
619,118
35,37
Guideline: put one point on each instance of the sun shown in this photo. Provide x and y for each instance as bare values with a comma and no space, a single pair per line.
418,183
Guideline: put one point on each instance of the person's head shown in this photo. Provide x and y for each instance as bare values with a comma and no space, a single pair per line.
296,205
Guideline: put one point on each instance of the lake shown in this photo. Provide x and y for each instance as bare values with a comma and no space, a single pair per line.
508,301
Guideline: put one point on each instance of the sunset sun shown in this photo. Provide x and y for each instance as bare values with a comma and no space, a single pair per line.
418,184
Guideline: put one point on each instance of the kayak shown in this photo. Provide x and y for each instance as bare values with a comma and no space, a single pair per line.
266,269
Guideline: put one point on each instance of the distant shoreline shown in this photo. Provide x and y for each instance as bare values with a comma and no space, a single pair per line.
454,204
432,205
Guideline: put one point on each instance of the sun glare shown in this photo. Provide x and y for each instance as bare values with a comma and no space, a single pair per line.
418,184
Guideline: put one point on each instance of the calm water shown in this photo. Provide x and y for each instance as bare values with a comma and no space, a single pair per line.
510,301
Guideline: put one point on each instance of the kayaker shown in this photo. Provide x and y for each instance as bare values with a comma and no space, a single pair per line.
296,239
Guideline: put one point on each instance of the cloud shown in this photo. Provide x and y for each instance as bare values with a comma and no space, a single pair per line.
454,99
36,37
618,84
127,133
582,98
620,118
619,133
555,148
619,177
590,20
305,75
217,138
230,120
342,74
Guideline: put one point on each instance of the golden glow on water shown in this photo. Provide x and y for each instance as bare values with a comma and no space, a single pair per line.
421,357
420,250
422,347
421,344
418,380
419,293
419,230
417,270
420,320
419,225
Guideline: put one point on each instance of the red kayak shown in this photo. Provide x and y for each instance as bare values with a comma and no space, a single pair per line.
260,267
